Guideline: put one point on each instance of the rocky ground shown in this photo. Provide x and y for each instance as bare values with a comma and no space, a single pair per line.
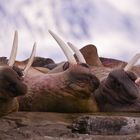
56,126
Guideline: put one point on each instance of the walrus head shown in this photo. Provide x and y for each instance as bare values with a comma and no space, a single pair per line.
80,78
68,89
10,83
119,90
11,77
81,82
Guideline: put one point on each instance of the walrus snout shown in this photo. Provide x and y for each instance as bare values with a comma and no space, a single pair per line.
11,84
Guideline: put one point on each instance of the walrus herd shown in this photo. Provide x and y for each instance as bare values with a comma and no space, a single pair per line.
84,83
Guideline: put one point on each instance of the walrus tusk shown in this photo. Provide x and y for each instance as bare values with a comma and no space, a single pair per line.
14,50
137,81
65,48
79,55
132,62
30,61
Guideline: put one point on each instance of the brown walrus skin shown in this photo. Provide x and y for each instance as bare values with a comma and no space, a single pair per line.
11,86
118,90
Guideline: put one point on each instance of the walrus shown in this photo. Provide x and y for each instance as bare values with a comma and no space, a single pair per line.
68,90
119,88
119,91
62,101
11,81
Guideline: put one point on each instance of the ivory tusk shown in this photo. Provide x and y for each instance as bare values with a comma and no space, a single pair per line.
79,55
13,54
30,61
137,81
132,62
65,48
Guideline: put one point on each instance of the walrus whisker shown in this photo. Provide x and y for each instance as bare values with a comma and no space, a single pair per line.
131,63
14,50
79,55
30,61
65,48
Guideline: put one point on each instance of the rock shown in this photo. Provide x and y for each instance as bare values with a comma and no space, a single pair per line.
59,126
107,125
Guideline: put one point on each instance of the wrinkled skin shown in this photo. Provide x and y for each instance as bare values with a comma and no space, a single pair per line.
11,86
118,92
68,91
